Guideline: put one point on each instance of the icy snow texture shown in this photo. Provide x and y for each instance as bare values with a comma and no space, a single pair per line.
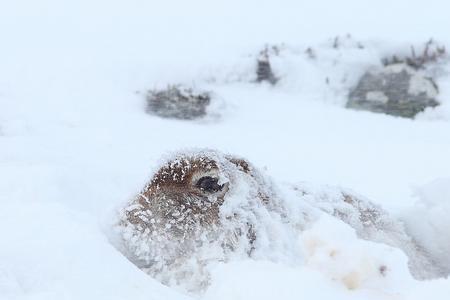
428,221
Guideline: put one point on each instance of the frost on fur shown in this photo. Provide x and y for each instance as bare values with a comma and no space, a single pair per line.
199,208
204,207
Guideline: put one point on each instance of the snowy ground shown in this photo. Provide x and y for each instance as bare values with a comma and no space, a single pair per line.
76,143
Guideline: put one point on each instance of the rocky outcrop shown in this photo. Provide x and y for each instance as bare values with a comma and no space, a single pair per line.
178,102
396,89
264,70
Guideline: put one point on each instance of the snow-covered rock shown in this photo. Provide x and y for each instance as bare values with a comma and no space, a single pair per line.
396,90
264,70
178,102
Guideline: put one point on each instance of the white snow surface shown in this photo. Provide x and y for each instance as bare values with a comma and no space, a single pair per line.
76,143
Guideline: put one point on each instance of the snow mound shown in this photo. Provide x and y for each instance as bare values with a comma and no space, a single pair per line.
56,253
371,222
329,71
333,248
429,223
337,265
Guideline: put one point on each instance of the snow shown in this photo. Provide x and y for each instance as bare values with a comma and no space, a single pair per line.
337,267
76,143
427,219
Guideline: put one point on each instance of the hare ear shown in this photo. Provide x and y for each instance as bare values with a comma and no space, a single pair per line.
241,163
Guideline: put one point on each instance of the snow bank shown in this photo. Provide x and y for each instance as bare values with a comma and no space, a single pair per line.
371,222
328,71
50,252
428,220
337,266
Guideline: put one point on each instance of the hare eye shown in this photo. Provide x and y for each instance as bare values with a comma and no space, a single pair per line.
209,184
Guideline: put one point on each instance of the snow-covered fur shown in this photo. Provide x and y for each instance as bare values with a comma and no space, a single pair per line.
199,207
204,207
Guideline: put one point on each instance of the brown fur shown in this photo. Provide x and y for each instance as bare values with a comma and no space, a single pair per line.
172,205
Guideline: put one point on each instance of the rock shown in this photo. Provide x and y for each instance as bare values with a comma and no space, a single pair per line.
178,102
264,70
396,90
